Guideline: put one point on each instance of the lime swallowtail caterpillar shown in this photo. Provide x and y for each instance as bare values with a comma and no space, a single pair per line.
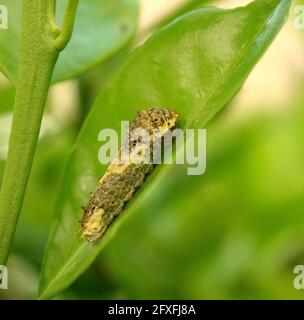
123,178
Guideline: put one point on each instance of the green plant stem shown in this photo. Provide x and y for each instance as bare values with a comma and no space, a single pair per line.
38,57
67,25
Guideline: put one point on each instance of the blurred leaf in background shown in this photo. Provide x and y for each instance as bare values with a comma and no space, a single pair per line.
102,28
7,94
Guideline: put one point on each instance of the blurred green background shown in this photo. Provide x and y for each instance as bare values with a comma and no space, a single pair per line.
234,233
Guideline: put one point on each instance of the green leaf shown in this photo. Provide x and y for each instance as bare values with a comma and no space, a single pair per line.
195,65
7,93
101,29
183,8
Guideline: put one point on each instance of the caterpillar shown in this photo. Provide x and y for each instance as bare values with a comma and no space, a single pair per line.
122,178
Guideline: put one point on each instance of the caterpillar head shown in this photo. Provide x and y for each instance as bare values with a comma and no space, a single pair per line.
155,119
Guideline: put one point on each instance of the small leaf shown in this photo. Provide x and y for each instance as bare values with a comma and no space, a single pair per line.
101,29
195,65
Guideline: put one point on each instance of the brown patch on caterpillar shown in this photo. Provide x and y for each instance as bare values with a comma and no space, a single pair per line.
121,180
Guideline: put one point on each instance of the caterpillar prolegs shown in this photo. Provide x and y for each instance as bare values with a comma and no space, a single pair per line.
127,172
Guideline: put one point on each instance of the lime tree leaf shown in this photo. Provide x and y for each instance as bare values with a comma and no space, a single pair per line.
185,7
7,94
195,65
101,29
